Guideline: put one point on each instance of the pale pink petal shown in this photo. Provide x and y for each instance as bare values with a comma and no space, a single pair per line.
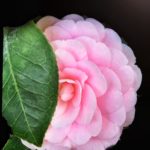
126,75
138,77
74,17
67,143
87,29
112,39
118,116
111,101
130,98
60,108
78,134
46,21
75,74
109,129
110,142
99,27
56,135
112,79
97,52
95,78
50,146
67,118
118,59
75,47
88,106
130,117
93,144
69,26
62,61
56,33
95,126
129,54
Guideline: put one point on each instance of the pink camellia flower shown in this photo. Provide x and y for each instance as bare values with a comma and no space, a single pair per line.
98,80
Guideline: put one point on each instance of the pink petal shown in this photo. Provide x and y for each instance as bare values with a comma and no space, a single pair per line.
95,78
74,17
78,134
66,91
92,144
130,98
111,101
88,106
75,47
118,116
94,127
69,26
112,79
67,143
62,61
50,146
60,108
97,52
112,39
138,77
87,29
129,54
56,33
109,129
126,75
67,118
74,74
56,135
118,59
46,22
99,27
76,100
130,117
110,142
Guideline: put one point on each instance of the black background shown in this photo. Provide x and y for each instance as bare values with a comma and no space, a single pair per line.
130,18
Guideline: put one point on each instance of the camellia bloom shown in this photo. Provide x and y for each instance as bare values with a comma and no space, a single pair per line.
98,80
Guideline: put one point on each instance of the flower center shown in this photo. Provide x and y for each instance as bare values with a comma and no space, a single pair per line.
66,91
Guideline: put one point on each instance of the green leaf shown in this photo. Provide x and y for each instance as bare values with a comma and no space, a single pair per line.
14,143
30,82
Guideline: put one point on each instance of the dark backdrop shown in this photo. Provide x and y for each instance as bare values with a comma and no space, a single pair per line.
130,18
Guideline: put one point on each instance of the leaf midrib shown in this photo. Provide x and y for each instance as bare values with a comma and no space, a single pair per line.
17,89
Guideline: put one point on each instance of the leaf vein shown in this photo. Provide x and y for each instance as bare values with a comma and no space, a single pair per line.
9,101
30,77
18,93
6,81
31,91
16,119
31,61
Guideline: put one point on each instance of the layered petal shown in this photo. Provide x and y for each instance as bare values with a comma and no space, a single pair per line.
109,129
111,101
96,51
66,118
95,78
93,144
112,39
60,132
79,134
56,33
88,106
